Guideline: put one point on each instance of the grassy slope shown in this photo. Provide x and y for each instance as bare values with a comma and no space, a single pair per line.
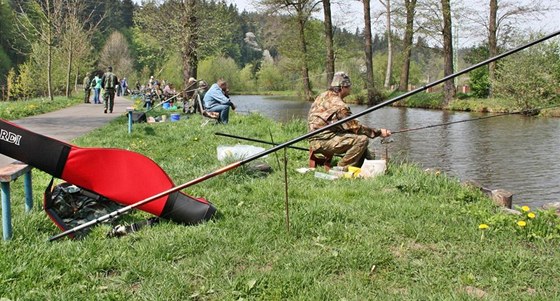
405,235
12,110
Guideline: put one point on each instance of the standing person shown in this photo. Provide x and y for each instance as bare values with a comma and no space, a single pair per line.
110,82
124,87
96,86
349,138
87,88
217,100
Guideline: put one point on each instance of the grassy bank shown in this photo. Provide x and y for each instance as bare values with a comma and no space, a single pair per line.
406,235
12,110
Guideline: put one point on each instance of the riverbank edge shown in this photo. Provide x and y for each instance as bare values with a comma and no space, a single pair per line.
432,101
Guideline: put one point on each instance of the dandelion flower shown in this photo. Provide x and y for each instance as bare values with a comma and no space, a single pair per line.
525,208
483,226
521,223
531,215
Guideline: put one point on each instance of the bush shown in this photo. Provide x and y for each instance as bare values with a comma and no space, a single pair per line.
270,78
214,68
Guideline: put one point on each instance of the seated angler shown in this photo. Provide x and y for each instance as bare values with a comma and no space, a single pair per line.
217,100
349,138
169,91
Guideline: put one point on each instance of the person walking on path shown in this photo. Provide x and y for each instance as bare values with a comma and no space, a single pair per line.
87,88
110,82
96,86
350,138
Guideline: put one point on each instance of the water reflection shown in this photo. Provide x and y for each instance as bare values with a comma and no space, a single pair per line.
512,152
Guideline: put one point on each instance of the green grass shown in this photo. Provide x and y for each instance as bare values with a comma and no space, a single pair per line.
12,110
406,235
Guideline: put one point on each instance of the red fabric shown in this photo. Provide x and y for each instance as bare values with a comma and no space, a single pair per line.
119,175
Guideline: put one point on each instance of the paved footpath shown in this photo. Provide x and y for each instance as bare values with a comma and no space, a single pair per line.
70,123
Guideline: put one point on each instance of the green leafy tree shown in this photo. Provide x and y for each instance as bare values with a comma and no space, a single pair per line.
212,69
530,77
300,12
115,53
271,78
478,78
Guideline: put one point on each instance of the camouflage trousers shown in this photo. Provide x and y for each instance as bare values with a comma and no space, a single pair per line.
109,99
354,147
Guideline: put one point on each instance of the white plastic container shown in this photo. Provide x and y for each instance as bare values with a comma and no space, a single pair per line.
237,152
372,168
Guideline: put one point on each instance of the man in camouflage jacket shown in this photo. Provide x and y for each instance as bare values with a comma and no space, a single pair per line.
349,138
109,82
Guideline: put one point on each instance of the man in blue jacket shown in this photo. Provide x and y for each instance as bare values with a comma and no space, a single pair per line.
217,100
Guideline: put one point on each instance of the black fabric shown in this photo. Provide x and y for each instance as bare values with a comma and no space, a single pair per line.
138,117
41,152
183,209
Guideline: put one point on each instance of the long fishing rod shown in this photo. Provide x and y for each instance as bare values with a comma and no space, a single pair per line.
290,142
169,99
259,141
263,141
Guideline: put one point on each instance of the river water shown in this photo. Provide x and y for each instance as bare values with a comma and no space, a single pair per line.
512,152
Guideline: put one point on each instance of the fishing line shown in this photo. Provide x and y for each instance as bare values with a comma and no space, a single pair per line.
524,112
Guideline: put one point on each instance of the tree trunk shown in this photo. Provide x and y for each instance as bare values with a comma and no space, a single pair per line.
407,44
389,71
76,79
369,55
189,54
329,40
69,68
448,86
49,52
308,94
492,41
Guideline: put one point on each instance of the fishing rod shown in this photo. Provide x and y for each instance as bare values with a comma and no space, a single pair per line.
169,99
263,141
293,141
259,141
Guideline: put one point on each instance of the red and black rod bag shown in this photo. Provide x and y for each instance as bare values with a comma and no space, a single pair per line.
122,176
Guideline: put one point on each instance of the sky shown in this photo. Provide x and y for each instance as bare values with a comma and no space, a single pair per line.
350,16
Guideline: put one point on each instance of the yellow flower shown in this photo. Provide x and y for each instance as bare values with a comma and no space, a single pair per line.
483,226
525,208
531,215
521,223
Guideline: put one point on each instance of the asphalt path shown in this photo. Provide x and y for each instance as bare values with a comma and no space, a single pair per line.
70,123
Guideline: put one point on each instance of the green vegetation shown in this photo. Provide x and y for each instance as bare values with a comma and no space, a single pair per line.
406,235
11,110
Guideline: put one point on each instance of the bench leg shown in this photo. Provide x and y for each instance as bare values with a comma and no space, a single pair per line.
28,191
6,212
129,122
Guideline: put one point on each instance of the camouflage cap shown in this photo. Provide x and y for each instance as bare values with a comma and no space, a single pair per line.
341,79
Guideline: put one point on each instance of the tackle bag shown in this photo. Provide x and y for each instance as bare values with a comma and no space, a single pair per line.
120,175
69,206
139,117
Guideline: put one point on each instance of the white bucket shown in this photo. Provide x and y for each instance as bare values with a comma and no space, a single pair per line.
372,168
237,152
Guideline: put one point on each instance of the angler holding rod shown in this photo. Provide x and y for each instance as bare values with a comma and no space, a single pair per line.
295,140
350,138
